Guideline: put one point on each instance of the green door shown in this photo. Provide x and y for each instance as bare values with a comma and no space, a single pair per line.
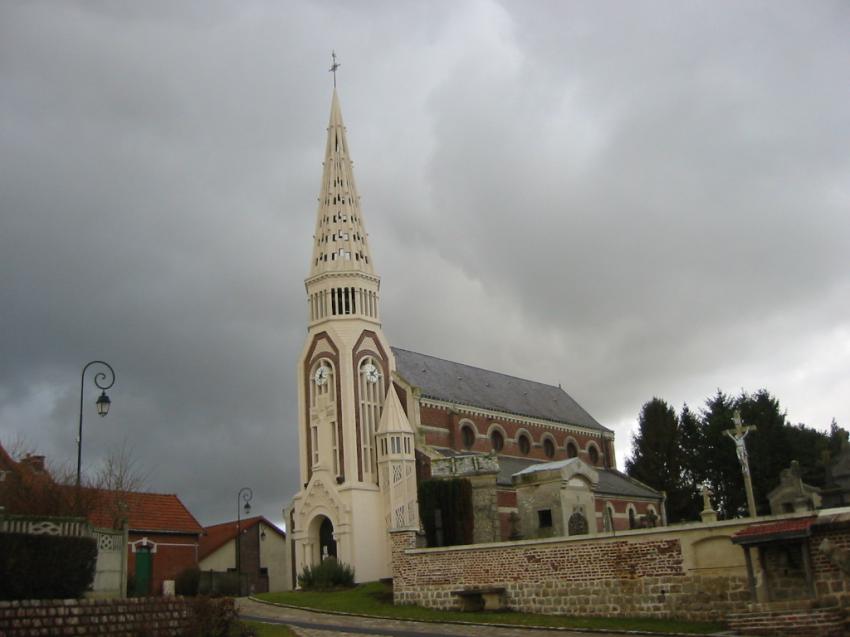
144,566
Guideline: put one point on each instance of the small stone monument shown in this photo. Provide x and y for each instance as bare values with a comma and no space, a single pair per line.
708,514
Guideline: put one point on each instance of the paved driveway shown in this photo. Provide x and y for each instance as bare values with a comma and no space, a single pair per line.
314,624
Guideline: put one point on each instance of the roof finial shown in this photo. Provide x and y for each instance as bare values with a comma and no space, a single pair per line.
334,66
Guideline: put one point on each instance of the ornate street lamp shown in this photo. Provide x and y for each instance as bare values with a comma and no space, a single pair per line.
244,496
102,403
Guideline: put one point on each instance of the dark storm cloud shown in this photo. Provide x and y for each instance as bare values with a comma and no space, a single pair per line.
631,200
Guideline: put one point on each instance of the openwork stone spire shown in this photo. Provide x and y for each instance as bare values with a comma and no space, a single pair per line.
340,243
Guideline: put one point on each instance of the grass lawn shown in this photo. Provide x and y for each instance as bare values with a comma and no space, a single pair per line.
270,630
375,599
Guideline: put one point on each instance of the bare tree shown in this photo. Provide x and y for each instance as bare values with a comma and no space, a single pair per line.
119,476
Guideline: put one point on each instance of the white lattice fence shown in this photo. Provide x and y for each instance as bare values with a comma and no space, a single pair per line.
74,527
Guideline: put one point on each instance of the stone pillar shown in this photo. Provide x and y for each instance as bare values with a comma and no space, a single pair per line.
485,508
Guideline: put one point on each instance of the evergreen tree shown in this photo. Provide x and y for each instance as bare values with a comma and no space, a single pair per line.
679,455
656,456
716,462
769,446
691,444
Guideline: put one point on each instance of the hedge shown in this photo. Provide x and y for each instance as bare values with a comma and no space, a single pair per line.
453,499
45,566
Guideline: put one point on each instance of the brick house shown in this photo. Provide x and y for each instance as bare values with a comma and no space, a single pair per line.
163,536
262,551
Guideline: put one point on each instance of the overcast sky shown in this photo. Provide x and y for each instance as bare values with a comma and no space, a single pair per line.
630,199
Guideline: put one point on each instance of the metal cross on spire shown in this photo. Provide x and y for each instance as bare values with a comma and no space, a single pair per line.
334,66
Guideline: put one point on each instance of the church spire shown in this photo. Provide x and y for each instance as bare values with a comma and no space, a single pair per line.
340,243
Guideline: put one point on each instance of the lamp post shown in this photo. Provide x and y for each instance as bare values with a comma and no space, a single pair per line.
245,495
102,403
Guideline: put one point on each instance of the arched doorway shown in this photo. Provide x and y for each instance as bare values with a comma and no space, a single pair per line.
327,543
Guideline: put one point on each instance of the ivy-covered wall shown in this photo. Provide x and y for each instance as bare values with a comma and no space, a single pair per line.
445,508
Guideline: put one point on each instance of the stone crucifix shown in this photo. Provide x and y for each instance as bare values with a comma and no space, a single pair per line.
738,435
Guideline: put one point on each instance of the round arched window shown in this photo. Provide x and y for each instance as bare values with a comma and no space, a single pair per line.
524,444
572,450
467,435
497,440
593,453
549,448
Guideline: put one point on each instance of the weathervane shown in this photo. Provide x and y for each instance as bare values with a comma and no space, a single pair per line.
334,66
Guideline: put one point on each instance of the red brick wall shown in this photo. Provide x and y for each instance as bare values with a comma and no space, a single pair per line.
249,550
506,498
442,418
169,560
107,617
831,583
621,509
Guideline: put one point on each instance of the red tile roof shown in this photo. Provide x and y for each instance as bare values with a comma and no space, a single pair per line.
797,527
162,512
7,463
218,535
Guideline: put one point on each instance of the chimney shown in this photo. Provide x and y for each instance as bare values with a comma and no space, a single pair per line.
35,463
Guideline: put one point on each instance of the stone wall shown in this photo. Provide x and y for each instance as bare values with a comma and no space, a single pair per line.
830,552
690,572
106,617
634,576
815,622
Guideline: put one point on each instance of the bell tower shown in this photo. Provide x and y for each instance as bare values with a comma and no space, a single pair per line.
344,378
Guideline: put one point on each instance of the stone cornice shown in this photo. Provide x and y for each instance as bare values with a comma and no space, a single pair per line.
342,274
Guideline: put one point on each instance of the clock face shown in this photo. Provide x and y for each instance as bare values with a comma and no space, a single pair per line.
322,374
371,373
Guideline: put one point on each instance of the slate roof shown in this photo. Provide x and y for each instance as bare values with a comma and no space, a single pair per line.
218,535
453,382
611,481
163,512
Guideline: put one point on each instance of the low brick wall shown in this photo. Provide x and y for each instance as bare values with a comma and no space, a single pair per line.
638,577
801,622
105,617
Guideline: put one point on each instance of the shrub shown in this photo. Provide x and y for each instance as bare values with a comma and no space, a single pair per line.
210,617
187,580
45,566
327,575
218,584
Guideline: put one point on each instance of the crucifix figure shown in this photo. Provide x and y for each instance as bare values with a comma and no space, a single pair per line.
738,434
334,66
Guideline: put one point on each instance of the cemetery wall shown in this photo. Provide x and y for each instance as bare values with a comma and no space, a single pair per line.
692,573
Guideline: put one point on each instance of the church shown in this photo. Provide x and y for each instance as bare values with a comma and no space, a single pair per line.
375,419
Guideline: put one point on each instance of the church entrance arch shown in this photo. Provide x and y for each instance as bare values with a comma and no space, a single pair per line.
327,543
322,539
